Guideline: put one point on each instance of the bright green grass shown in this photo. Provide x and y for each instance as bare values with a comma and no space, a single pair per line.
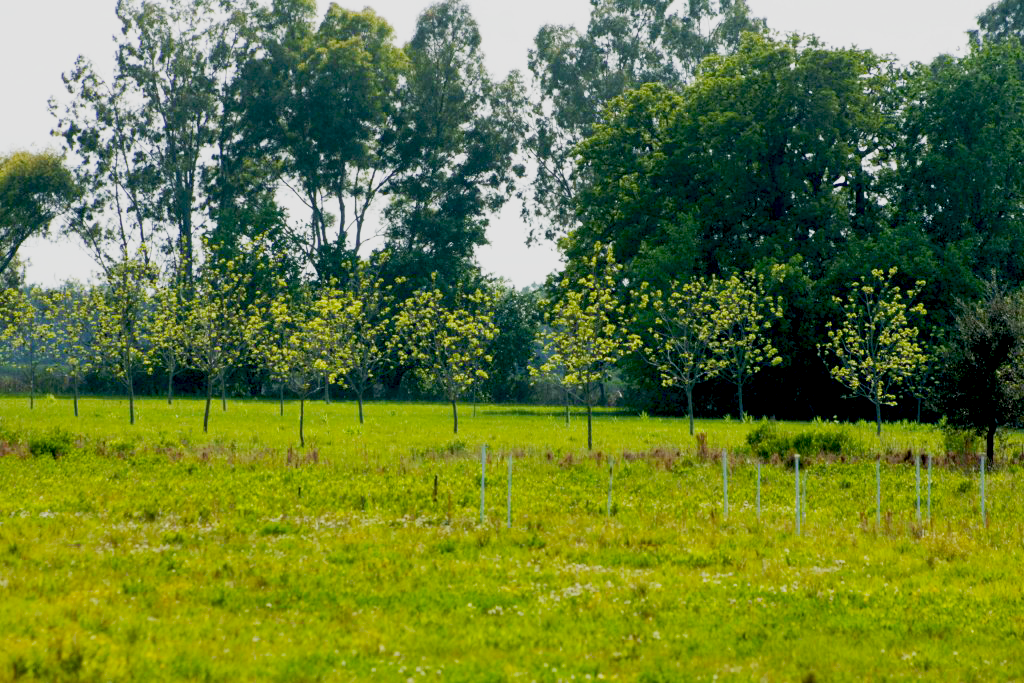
217,561
395,430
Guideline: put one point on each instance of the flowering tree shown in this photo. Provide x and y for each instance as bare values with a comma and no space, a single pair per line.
685,328
166,334
744,313
27,333
446,342
73,320
121,307
875,346
586,331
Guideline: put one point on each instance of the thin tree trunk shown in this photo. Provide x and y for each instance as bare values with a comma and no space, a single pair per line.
590,433
131,399
739,391
878,419
990,444
209,396
281,402
170,386
567,407
455,417
74,382
32,389
327,389
359,398
302,417
689,406
223,392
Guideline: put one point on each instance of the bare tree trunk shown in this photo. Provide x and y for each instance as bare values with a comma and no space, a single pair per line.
131,399
209,397
223,392
327,389
990,444
281,402
689,406
302,417
74,382
878,419
359,399
590,437
455,417
739,391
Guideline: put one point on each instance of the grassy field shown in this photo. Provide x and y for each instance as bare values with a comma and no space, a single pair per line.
158,553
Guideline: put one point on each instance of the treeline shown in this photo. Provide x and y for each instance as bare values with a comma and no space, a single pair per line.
687,146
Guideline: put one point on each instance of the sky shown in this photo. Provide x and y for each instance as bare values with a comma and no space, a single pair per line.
40,39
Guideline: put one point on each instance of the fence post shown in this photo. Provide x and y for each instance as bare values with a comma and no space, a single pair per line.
917,480
878,493
796,502
929,487
483,479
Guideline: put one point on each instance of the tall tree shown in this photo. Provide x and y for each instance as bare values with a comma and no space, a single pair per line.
34,190
145,138
459,134
627,43
318,99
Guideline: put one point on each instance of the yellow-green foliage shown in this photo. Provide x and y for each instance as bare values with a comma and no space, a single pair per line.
174,557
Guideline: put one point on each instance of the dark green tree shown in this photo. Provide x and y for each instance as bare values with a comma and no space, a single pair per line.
628,43
34,190
459,135
981,368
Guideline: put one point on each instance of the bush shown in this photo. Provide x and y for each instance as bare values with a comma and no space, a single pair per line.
768,439
55,443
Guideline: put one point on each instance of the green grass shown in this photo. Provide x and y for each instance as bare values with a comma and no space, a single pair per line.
155,553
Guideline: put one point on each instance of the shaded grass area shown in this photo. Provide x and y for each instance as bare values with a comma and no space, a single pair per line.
213,561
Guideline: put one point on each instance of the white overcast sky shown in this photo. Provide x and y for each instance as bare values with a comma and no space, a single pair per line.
40,39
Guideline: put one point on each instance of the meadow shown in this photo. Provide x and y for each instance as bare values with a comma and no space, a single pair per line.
155,552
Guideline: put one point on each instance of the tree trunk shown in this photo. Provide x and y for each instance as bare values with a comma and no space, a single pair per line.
739,392
359,399
990,444
170,386
32,389
223,392
567,407
689,406
281,403
131,399
327,389
590,432
209,396
302,418
74,382
455,417
878,418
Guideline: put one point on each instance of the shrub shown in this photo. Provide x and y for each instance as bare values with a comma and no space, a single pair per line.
768,439
55,443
